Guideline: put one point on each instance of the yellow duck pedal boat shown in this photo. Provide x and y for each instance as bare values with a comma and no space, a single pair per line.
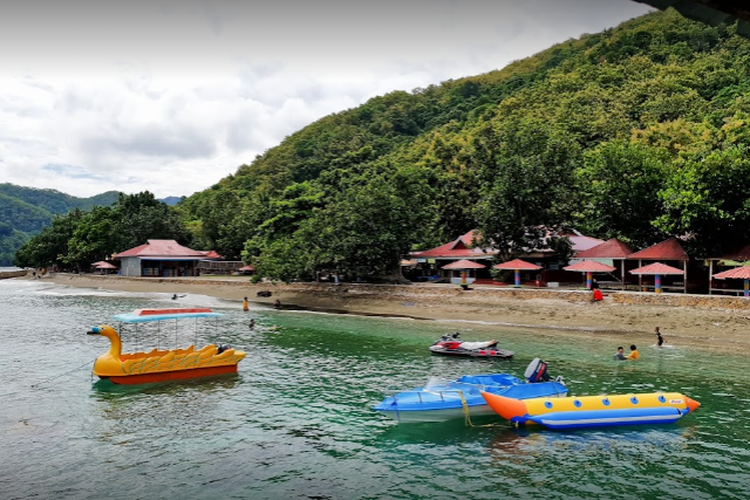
162,365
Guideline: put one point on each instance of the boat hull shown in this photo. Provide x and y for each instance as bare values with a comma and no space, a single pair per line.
432,416
481,353
155,377
454,399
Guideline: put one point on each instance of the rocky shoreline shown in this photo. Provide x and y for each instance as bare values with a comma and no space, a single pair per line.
710,322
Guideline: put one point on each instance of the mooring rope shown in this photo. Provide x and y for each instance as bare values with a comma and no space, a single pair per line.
467,416
36,386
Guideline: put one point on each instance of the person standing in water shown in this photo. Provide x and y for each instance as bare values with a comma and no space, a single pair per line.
245,305
659,339
634,354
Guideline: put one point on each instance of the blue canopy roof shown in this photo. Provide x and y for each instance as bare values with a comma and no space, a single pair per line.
146,315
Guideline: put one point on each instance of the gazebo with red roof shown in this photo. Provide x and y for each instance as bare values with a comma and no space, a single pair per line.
589,267
728,261
657,270
163,258
461,249
608,252
517,265
668,250
740,272
463,266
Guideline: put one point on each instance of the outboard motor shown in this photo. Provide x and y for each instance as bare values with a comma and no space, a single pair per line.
537,371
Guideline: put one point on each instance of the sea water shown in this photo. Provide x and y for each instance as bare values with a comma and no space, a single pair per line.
296,422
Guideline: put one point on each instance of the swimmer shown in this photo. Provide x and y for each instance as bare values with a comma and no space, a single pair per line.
659,339
634,354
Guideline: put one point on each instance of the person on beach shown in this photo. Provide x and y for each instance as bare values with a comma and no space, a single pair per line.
245,305
659,339
277,304
634,354
620,354
596,293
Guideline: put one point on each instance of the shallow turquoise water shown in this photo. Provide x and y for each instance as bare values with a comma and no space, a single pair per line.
296,421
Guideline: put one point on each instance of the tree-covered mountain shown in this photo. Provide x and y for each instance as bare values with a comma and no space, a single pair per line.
25,211
639,132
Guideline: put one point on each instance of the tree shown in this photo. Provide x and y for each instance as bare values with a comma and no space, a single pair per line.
527,170
92,239
50,246
619,192
708,201
141,217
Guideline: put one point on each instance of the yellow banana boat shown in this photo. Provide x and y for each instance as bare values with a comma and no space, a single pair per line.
594,411
162,365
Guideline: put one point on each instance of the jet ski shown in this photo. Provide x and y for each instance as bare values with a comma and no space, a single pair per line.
452,345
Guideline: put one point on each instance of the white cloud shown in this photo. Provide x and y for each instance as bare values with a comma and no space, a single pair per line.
171,96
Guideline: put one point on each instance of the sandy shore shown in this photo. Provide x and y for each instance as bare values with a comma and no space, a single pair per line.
717,323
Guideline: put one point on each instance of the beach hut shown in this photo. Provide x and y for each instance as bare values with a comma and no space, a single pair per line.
589,267
731,260
103,266
741,272
668,250
517,265
463,265
608,253
248,269
657,270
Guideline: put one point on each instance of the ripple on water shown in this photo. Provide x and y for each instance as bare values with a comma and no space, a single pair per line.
297,420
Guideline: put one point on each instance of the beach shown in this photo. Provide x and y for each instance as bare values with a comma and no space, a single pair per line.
715,323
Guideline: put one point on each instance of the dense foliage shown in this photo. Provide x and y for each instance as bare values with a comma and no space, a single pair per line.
639,132
77,239
25,211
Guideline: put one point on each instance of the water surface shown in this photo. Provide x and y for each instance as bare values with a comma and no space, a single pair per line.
296,421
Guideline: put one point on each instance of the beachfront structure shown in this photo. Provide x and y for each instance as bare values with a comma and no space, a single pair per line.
432,262
160,258
667,252
717,265
612,252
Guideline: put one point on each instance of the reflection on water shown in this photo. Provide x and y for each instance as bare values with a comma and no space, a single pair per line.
297,420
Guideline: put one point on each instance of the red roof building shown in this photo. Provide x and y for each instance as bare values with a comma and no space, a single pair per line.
461,249
162,258
668,250
612,249
724,263
607,253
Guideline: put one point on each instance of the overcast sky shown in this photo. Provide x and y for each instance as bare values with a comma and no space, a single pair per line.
171,96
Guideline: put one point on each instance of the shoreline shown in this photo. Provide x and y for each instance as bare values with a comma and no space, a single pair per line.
716,323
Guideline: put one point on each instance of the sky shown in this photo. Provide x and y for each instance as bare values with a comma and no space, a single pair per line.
171,96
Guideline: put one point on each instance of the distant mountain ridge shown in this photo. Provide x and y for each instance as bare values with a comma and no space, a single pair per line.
171,200
24,211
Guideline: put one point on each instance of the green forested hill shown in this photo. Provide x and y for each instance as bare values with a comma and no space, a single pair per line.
25,211
639,132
